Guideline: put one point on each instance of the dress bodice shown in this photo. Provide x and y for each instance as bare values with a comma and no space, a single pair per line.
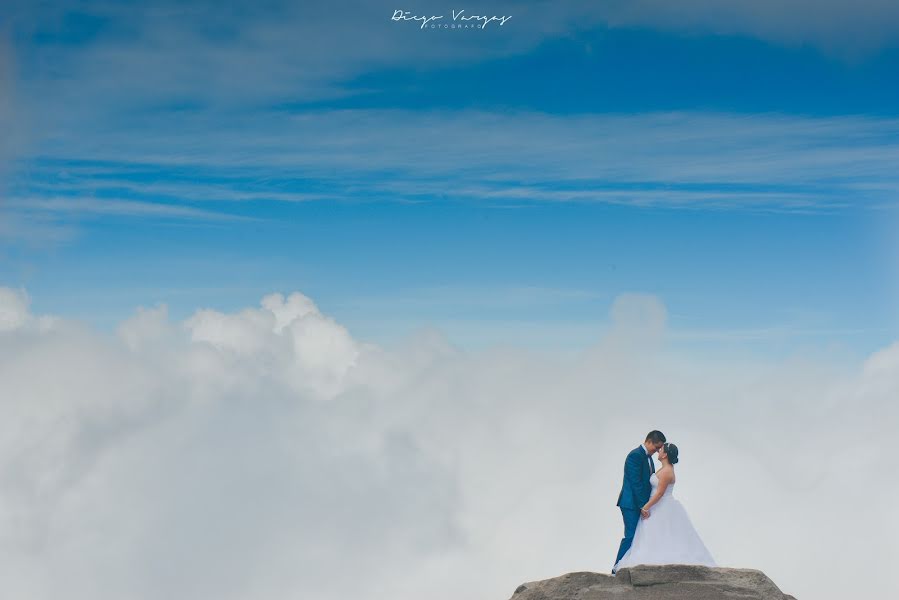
654,482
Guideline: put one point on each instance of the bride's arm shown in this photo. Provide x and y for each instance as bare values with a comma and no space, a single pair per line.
664,481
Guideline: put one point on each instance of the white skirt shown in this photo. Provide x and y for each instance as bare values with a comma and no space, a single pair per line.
667,537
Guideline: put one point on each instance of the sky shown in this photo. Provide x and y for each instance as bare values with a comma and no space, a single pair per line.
322,274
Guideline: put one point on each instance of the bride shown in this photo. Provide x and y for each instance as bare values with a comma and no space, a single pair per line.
665,534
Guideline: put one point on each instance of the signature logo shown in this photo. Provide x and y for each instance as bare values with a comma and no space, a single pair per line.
460,20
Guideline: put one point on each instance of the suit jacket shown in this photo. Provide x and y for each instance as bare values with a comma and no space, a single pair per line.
635,490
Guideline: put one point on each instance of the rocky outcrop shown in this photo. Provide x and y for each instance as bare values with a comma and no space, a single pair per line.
665,582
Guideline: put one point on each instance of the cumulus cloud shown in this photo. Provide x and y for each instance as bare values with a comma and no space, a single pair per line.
318,350
15,313
266,453
13,309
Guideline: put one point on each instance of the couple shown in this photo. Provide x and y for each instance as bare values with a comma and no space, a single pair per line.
657,530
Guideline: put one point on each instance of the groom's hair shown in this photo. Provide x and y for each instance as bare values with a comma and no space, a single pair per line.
656,437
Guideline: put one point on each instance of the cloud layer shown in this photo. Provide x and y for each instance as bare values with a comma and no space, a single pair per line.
266,453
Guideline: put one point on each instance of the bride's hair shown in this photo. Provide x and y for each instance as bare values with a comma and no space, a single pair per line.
671,451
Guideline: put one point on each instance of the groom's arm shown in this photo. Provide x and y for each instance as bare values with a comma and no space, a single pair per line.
632,471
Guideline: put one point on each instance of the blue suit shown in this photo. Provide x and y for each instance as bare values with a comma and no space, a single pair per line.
635,492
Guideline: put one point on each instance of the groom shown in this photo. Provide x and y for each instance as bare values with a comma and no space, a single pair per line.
635,491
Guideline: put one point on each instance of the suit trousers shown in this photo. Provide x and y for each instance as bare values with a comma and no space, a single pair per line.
631,517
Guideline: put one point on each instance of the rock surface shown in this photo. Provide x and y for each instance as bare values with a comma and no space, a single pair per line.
665,582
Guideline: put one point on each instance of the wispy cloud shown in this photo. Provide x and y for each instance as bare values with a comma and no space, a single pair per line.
477,297
115,207
678,160
842,27
197,126
767,333
239,52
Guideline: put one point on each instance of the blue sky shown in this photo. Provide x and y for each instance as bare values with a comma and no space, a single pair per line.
501,185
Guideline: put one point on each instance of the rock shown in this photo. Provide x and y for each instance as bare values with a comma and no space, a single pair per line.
664,582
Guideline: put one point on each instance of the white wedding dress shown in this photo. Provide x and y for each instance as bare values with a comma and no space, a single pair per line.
667,537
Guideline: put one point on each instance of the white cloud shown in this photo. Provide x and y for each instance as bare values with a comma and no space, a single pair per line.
842,27
206,71
207,59
13,309
318,351
15,314
671,159
639,313
110,207
244,53
265,453
209,53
